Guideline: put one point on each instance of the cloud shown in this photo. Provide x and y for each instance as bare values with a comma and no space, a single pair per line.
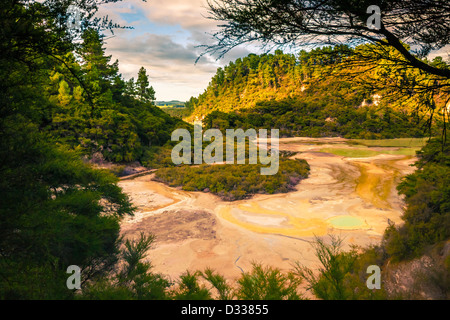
165,41
443,52
157,46
190,15
170,65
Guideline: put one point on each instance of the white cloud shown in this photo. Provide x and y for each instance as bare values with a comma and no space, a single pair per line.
443,52
170,65
189,14
165,41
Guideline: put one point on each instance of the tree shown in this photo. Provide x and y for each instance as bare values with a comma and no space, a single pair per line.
56,210
132,277
144,92
266,283
98,73
335,265
408,31
427,193
295,22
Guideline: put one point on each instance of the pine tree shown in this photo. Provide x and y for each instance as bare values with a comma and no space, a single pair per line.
64,96
144,92
96,66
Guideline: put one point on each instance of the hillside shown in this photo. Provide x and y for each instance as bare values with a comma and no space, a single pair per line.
171,103
297,95
104,117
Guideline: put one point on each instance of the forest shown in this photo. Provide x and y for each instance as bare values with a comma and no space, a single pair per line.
106,114
235,181
306,95
63,103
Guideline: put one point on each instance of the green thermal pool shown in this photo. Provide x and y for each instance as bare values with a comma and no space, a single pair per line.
346,222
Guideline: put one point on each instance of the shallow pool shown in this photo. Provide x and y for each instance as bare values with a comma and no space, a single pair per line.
346,222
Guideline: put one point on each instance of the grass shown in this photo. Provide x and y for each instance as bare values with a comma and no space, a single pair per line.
366,152
399,142
351,152
400,146
403,151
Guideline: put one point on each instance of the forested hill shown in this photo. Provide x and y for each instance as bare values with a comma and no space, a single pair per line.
296,94
264,77
87,105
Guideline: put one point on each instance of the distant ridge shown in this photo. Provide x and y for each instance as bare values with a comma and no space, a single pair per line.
170,103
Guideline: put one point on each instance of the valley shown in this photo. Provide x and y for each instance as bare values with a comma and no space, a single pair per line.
353,197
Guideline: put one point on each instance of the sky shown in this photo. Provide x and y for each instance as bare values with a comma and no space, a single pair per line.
165,42
165,39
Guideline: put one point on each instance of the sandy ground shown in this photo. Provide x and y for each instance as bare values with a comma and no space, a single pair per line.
354,198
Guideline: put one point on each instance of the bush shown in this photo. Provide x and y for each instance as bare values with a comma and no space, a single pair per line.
427,195
235,181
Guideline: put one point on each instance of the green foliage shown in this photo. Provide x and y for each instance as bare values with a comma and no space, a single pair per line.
177,111
302,96
427,195
267,283
297,117
330,283
219,283
90,107
56,211
157,157
235,181
248,80
341,275
60,99
190,289
144,92
132,278
110,116
356,279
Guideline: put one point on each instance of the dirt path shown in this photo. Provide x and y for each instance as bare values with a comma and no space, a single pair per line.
351,197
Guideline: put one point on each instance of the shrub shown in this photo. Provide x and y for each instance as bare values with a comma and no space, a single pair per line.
235,181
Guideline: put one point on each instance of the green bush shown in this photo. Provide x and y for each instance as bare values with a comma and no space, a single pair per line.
267,283
235,181
427,195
